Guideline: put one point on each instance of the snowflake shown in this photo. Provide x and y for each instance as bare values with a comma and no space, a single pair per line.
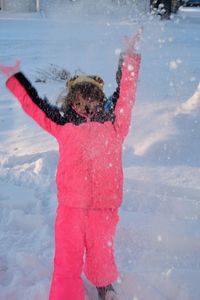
117,51
130,67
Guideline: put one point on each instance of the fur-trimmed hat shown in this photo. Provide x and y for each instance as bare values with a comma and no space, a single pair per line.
96,80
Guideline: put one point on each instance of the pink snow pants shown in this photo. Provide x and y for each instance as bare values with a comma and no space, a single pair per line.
79,231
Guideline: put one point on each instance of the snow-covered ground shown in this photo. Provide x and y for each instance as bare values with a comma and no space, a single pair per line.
158,238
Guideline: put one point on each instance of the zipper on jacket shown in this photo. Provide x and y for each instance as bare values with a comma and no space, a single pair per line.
88,122
90,164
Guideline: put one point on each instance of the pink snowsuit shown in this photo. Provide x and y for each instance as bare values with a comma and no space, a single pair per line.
89,182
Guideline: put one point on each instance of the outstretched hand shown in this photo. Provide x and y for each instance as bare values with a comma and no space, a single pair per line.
8,71
132,43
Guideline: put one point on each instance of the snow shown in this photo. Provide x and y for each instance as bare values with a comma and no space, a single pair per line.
158,238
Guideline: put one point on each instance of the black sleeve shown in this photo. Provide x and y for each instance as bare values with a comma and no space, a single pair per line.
52,112
116,93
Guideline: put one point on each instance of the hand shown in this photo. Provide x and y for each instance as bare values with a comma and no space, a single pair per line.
131,43
11,70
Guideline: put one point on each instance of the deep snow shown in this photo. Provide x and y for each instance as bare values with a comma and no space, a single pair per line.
158,238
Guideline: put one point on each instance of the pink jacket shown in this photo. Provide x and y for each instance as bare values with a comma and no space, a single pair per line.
89,173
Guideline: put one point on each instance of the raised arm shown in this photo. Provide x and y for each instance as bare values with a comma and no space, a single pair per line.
46,115
128,72
112,100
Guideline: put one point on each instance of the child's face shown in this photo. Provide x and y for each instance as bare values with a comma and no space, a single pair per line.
85,106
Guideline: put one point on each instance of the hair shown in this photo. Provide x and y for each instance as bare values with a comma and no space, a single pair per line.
87,90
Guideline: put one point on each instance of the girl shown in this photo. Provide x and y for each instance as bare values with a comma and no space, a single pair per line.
89,174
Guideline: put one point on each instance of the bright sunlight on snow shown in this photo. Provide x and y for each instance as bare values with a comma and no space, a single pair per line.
158,238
